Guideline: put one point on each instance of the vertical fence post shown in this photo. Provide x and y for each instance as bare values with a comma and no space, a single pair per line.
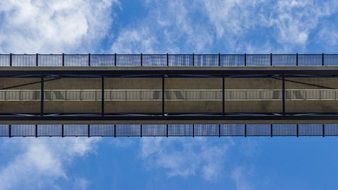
88,130
283,94
323,59
323,130
296,59
115,60
193,130
62,130
270,59
219,59
271,130
141,59
245,130
37,59
63,59
42,95
141,130
297,130
102,95
89,60
244,59
193,59
114,130
167,60
36,130
9,130
167,130
10,59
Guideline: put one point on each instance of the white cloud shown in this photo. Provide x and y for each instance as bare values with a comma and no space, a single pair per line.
224,25
167,27
185,157
42,161
239,176
53,26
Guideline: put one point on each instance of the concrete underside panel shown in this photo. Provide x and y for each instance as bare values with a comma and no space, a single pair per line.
174,100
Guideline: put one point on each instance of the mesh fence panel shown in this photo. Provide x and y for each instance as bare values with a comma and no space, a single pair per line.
232,130
128,60
154,130
49,130
102,130
102,60
206,60
154,60
232,60
28,60
258,130
258,60
4,60
180,130
4,130
75,130
284,60
76,60
128,130
310,129
331,130
180,60
206,130
331,59
284,130
310,60
22,130
50,60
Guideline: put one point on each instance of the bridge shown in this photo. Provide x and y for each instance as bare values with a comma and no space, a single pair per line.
168,95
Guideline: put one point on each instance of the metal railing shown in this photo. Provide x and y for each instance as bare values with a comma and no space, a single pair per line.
168,130
167,60
170,95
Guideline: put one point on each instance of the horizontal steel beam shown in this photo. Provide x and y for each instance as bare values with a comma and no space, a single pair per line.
159,72
169,117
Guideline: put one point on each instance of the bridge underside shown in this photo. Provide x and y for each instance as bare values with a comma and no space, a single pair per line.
162,95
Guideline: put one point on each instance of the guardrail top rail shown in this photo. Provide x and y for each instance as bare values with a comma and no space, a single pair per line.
167,60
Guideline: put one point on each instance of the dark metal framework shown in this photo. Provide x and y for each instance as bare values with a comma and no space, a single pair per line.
162,66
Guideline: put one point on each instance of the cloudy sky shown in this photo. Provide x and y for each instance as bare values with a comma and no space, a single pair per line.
150,26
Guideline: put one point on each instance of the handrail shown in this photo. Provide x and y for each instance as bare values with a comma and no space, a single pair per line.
164,60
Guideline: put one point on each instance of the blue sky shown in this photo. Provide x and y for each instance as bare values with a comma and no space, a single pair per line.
150,26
